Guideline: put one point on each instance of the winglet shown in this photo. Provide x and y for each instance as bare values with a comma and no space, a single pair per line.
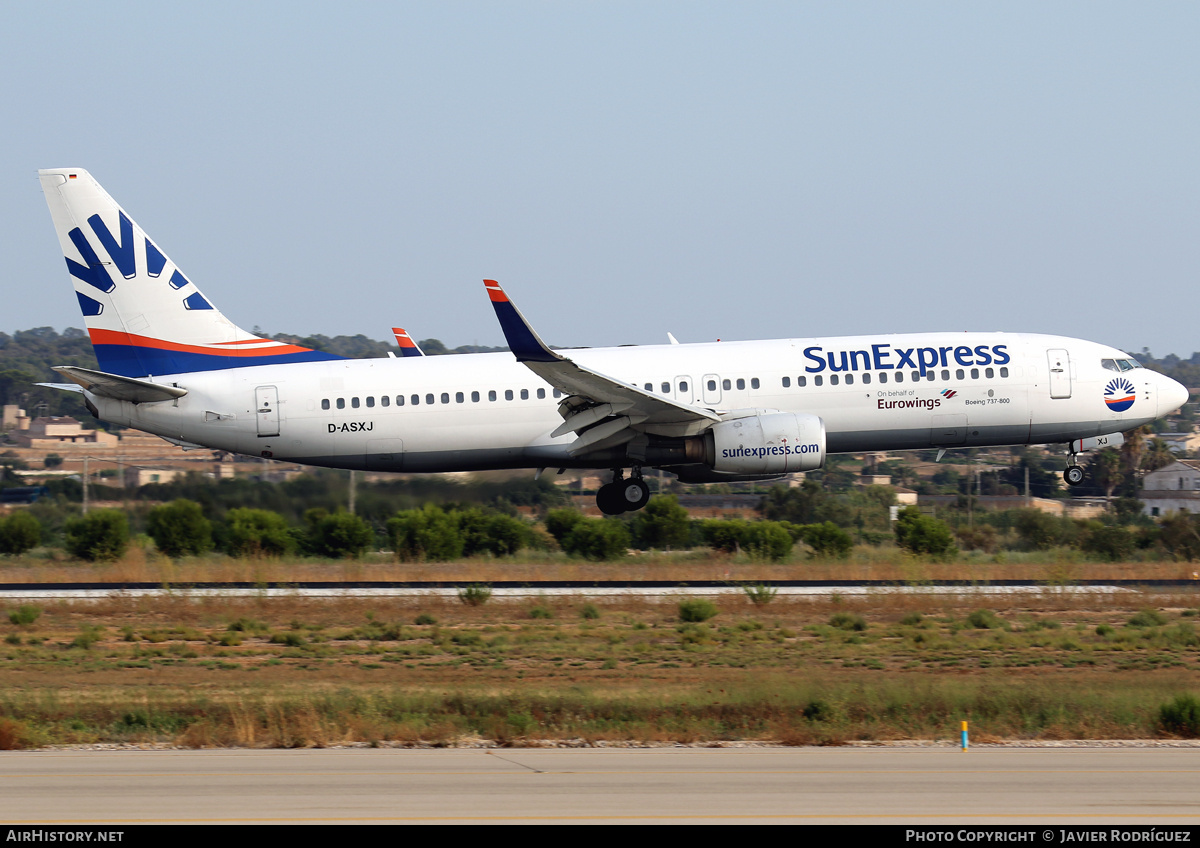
523,341
407,346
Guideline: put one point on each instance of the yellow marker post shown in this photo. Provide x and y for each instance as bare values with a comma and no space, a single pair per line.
964,737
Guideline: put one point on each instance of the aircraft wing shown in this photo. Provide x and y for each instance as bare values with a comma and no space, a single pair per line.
602,409
118,387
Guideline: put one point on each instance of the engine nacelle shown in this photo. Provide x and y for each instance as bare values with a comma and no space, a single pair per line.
768,443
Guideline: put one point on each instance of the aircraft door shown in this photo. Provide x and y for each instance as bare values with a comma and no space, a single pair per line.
712,389
266,408
683,389
1060,373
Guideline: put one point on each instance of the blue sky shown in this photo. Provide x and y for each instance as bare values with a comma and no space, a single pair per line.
717,170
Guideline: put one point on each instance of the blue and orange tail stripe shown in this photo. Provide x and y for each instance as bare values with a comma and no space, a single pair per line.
130,355
407,346
522,340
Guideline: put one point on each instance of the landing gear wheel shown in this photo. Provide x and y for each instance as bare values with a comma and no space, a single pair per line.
1073,475
635,493
611,498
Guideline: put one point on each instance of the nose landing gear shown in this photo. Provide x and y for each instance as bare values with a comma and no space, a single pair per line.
1073,474
623,495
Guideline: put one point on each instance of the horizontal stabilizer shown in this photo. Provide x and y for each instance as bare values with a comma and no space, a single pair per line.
120,388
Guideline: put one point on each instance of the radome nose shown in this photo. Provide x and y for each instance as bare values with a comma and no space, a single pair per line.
1171,396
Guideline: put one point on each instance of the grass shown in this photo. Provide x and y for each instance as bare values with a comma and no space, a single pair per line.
294,671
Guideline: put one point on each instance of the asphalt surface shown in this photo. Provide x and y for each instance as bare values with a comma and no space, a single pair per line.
941,786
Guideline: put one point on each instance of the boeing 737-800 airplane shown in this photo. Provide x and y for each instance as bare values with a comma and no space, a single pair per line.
172,364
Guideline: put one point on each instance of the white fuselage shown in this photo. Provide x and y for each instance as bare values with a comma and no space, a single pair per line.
487,411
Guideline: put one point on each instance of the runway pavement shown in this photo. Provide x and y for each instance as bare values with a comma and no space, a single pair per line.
943,786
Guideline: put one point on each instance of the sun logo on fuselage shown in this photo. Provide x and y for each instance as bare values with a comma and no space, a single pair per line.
1119,394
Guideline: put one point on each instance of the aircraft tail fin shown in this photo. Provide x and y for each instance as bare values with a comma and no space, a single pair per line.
143,315
408,347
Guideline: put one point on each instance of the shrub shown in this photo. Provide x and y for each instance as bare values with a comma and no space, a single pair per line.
24,615
597,539
428,534
758,539
494,533
256,532
475,595
1112,543
1181,716
827,540
1147,618
662,524
180,528
984,619
560,522
923,534
697,609
912,619
591,612
102,535
425,619
541,612
20,532
340,536
760,595
848,621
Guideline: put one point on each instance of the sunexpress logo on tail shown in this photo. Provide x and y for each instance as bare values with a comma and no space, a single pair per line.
1119,394
884,357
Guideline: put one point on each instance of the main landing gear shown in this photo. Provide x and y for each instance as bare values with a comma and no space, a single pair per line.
623,495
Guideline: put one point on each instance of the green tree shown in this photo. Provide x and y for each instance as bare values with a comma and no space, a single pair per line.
102,535
597,539
924,534
180,528
255,532
662,524
827,540
427,534
340,535
20,532
1180,535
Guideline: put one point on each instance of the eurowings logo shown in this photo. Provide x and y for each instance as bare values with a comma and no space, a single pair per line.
1119,394
948,393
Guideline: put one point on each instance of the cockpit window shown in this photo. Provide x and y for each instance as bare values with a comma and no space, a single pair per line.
1120,364
1110,364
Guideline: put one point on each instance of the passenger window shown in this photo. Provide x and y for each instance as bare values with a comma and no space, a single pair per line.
960,374
325,403
416,400
899,376
883,376
801,381
445,397
849,379
371,402
399,400
787,382
1003,372
754,382
429,398
725,384
524,394
834,379
459,397
683,386
341,403
666,388
557,393
541,394
916,375
741,384
932,375
712,385
945,375
508,394
818,380
492,394
867,378
385,401
474,397
649,387
354,403
989,373
974,373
